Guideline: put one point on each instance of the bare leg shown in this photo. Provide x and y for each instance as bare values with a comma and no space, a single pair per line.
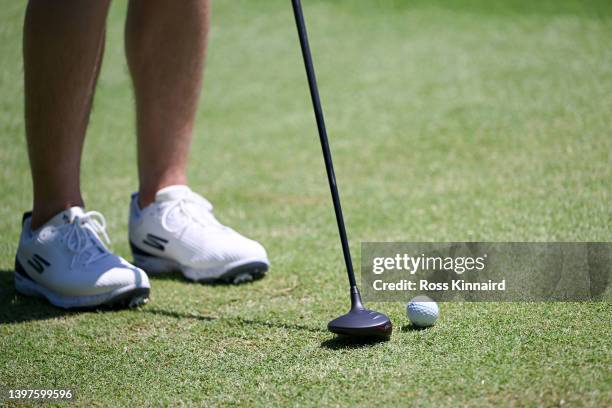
63,43
165,46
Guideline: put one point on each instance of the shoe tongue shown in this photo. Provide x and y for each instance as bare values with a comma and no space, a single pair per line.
66,216
172,193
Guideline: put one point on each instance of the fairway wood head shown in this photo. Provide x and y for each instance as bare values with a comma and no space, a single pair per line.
360,322
363,323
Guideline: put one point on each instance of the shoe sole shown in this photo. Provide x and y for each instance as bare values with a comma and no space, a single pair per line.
122,298
243,271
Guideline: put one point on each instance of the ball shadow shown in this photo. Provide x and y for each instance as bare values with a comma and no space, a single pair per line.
411,327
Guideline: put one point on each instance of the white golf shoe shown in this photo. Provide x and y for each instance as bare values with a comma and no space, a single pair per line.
178,231
65,262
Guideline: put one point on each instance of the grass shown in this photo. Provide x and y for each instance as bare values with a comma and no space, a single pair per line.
450,121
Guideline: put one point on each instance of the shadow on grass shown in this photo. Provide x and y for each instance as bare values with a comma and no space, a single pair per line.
340,342
234,320
169,276
15,308
281,325
178,315
410,327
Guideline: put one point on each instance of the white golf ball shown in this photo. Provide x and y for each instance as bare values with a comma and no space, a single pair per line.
422,311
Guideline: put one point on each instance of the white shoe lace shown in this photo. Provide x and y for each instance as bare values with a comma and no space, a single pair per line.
205,217
81,236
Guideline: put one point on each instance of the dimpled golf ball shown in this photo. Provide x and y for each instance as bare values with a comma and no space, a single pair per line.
422,311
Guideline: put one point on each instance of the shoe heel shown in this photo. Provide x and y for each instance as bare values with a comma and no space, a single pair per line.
25,287
153,264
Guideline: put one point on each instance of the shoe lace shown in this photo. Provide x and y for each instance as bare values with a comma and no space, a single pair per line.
82,237
203,214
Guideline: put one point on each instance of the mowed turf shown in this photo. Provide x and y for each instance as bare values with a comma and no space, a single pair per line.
449,121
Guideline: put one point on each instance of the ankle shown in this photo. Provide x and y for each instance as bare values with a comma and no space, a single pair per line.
145,199
146,194
42,213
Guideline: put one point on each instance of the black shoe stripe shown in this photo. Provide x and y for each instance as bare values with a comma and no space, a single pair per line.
21,271
155,242
138,251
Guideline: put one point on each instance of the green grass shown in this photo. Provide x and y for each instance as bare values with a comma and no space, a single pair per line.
450,121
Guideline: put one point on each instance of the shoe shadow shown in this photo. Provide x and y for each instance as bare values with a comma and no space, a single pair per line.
15,308
340,342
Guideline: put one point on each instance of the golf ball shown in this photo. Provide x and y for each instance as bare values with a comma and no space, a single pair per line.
422,311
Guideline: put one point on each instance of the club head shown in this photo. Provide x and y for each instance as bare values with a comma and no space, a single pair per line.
362,323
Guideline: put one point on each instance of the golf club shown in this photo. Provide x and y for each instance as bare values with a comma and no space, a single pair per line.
359,321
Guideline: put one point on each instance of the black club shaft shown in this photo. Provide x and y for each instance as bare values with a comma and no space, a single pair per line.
329,166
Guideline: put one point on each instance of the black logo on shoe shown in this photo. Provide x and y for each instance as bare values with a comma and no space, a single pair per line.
38,263
155,242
